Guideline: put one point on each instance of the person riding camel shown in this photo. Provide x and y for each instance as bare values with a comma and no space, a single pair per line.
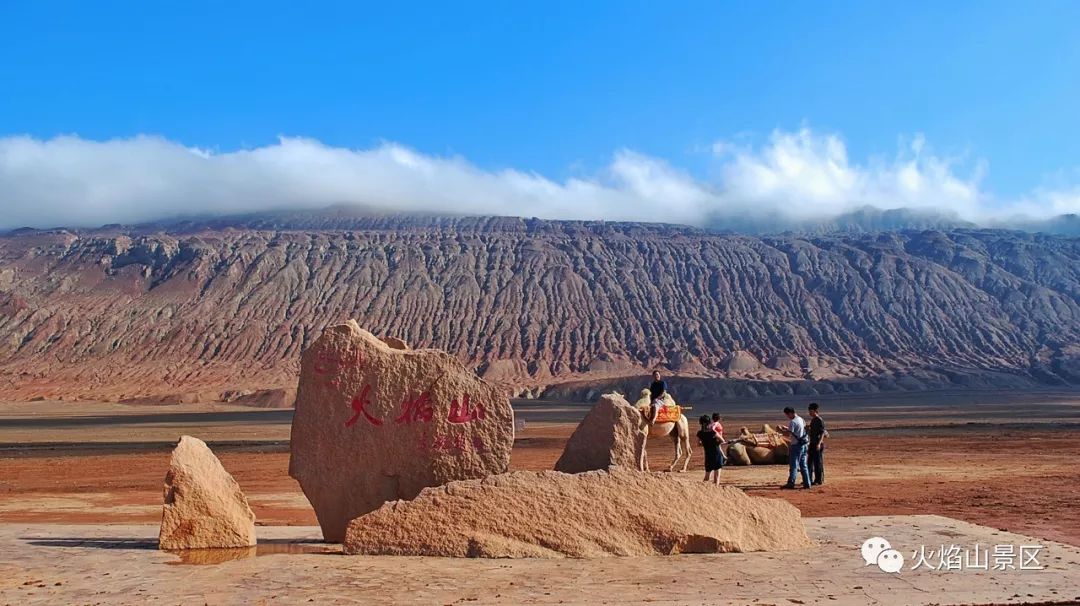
656,393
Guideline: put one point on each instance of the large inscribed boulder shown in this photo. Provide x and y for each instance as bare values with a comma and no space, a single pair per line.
374,423
613,433
204,506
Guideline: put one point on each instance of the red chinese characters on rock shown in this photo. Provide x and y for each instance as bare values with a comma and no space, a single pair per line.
358,404
464,413
448,444
416,410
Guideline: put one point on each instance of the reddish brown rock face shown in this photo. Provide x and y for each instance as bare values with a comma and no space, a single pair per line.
195,313
375,424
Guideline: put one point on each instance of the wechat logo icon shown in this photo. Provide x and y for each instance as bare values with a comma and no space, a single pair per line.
877,550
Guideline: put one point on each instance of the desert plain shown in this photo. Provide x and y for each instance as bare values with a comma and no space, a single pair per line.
80,497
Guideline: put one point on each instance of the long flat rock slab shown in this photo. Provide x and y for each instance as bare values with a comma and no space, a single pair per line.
48,564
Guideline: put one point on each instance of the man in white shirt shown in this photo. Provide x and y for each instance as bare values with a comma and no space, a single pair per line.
796,429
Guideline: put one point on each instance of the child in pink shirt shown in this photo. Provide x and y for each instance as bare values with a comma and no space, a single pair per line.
717,426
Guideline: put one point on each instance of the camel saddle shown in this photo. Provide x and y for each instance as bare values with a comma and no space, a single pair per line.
772,440
666,414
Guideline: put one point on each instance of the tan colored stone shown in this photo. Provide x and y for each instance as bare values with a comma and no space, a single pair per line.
375,424
395,343
204,506
598,513
611,434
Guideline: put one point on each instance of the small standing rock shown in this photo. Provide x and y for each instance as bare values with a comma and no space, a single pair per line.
204,506
611,434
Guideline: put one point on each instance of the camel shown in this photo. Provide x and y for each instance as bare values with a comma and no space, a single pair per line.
765,448
678,430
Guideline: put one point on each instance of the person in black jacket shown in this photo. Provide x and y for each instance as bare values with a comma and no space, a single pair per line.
710,443
817,434
656,395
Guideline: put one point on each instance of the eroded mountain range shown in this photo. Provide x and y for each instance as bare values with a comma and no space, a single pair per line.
220,309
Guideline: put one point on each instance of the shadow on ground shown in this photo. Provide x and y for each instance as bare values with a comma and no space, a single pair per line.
193,556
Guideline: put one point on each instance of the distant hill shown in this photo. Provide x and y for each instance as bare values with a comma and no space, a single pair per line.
206,306
865,220
1065,225
873,220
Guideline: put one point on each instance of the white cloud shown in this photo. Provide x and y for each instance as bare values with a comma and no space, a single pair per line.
73,181
804,174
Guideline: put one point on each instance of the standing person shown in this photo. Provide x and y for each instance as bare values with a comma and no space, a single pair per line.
818,433
656,394
796,428
717,426
710,444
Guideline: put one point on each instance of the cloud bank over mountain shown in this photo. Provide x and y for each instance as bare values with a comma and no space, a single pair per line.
792,175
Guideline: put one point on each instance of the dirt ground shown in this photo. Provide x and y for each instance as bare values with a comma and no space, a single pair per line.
1011,471
120,564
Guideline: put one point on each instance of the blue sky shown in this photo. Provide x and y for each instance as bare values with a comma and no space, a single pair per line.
561,89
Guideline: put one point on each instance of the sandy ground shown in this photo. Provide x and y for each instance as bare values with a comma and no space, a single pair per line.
1005,462
80,497
58,564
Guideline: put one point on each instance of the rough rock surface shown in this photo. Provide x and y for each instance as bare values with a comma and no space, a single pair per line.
597,513
375,424
395,343
231,304
204,506
611,434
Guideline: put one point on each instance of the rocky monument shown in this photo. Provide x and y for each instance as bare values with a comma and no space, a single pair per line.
377,423
204,506
613,433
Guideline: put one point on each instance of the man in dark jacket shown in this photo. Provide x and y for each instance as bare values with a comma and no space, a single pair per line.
817,434
656,395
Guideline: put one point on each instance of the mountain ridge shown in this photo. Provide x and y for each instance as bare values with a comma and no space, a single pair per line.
214,308
864,220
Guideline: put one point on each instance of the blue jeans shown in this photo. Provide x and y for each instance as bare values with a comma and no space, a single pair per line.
797,459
